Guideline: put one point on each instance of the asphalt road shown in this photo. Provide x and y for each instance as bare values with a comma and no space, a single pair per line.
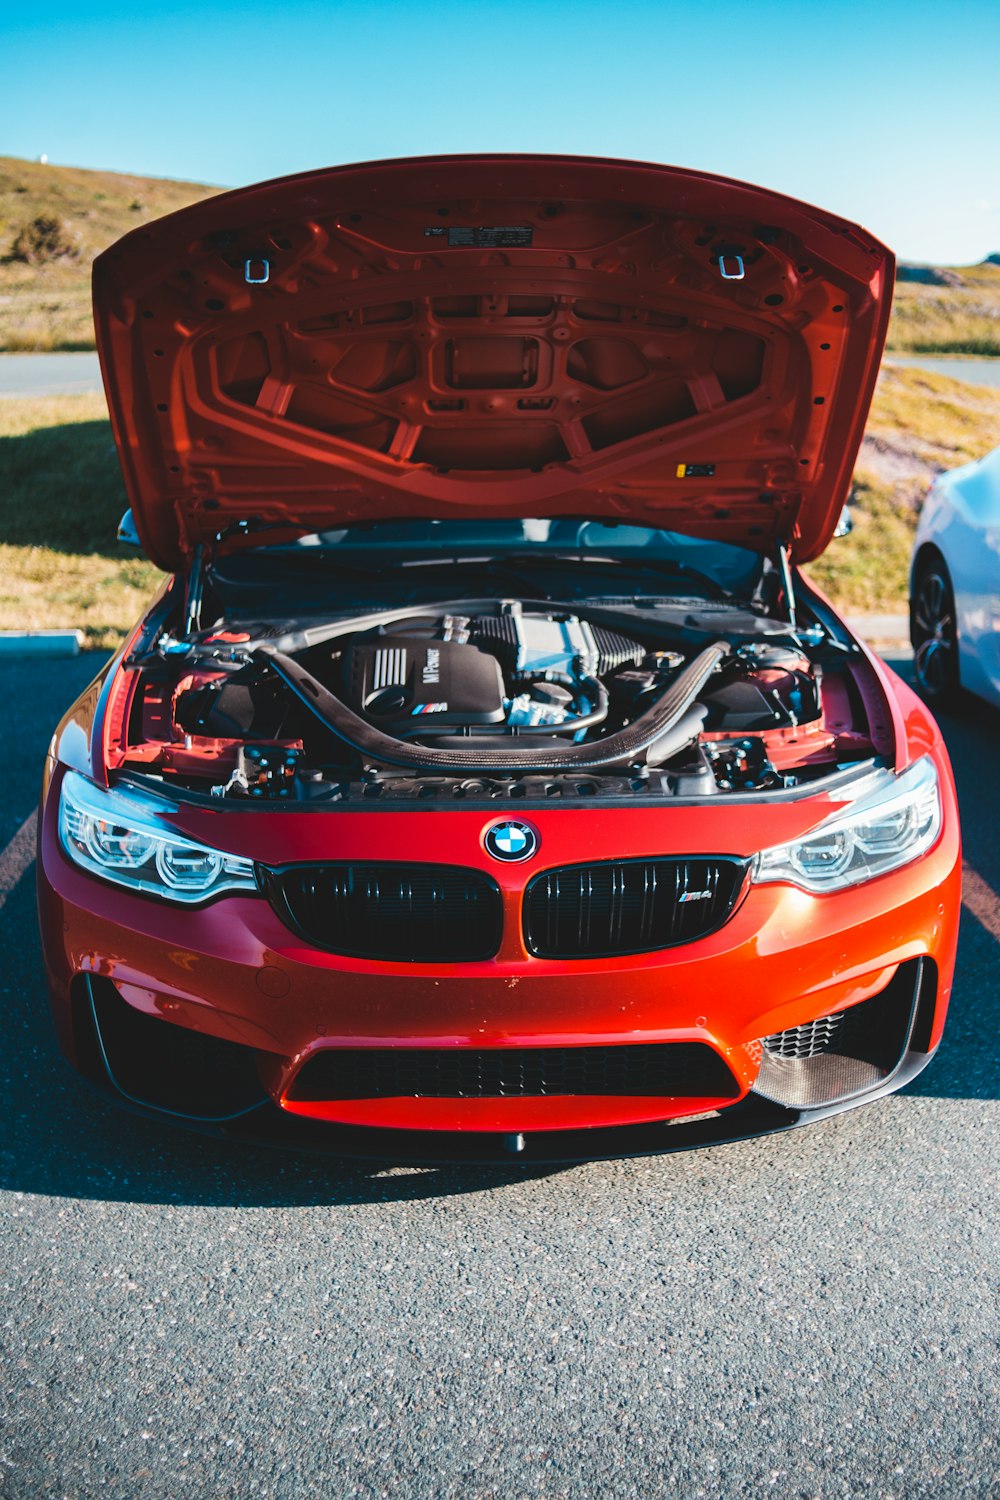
49,374
65,374
812,1315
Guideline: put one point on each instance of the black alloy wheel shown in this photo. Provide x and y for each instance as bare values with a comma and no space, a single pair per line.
934,634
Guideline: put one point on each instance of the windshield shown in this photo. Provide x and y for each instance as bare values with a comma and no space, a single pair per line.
736,569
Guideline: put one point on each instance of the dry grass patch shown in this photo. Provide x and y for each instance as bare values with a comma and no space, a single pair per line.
920,424
948,320
45,297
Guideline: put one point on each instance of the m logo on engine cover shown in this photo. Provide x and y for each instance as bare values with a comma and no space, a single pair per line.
511,841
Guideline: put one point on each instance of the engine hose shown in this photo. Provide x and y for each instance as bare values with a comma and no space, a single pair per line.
585,687
589,688
669,744
627,745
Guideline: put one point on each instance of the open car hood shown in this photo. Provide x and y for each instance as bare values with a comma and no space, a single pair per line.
491,336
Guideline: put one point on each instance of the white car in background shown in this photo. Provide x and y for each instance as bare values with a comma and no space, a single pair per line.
955,585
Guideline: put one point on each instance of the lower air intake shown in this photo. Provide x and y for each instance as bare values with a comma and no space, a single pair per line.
843,1055
667,1069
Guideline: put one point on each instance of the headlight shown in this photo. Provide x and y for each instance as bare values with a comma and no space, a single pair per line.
882,831
118,835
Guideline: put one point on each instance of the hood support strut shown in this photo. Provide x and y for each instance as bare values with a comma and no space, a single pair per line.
195,585
789,587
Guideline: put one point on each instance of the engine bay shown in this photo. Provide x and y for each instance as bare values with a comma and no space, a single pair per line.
502,698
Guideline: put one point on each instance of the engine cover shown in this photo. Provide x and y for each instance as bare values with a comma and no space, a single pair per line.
532,644
408,685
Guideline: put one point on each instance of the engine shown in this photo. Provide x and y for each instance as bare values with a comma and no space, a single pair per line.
498,694
514,669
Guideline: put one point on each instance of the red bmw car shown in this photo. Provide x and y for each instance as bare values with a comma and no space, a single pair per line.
485,777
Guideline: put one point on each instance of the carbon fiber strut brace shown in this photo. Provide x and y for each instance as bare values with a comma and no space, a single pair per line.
629,744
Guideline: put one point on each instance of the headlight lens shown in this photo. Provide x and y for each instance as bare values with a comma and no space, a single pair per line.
881,832
118,835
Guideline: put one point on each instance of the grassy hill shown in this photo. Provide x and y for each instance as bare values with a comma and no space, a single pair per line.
45,298
53,222
963,318
920,424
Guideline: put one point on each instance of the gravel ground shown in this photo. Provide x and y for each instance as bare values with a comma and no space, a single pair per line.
811,1315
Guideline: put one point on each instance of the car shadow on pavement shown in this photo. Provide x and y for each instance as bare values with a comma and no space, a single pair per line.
59,1137
966,1066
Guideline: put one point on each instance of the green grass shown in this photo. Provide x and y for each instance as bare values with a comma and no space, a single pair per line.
61,497
867,572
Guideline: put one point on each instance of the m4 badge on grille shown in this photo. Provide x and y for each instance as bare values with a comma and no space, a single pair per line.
511,841
695,896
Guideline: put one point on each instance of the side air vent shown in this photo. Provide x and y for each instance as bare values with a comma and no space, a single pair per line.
808,1040
838,1056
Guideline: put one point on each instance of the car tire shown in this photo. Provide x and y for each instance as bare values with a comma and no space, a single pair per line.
934,633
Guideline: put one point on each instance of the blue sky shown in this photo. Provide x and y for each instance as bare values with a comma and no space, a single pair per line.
888,114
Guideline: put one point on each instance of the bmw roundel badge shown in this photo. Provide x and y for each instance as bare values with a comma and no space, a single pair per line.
511,841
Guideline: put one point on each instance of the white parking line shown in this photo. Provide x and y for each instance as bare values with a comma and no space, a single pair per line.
981,900
18,857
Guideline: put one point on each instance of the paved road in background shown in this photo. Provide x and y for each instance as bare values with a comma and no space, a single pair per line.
977,370
808,1315
69,374
49,374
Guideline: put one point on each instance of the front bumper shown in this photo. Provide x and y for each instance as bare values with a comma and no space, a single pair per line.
232,974
252,1117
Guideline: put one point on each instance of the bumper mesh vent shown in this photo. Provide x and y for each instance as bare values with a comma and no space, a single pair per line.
667,1069
398,912
628,906
808,1040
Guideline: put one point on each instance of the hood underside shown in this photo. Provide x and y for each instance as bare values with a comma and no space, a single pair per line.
492,336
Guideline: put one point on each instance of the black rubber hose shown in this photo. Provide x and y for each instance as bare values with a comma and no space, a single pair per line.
627,745
584,687
590,688
669,744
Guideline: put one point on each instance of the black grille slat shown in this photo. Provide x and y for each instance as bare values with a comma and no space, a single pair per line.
401,912
657,1069
629,906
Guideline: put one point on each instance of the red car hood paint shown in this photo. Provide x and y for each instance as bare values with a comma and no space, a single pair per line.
492,336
